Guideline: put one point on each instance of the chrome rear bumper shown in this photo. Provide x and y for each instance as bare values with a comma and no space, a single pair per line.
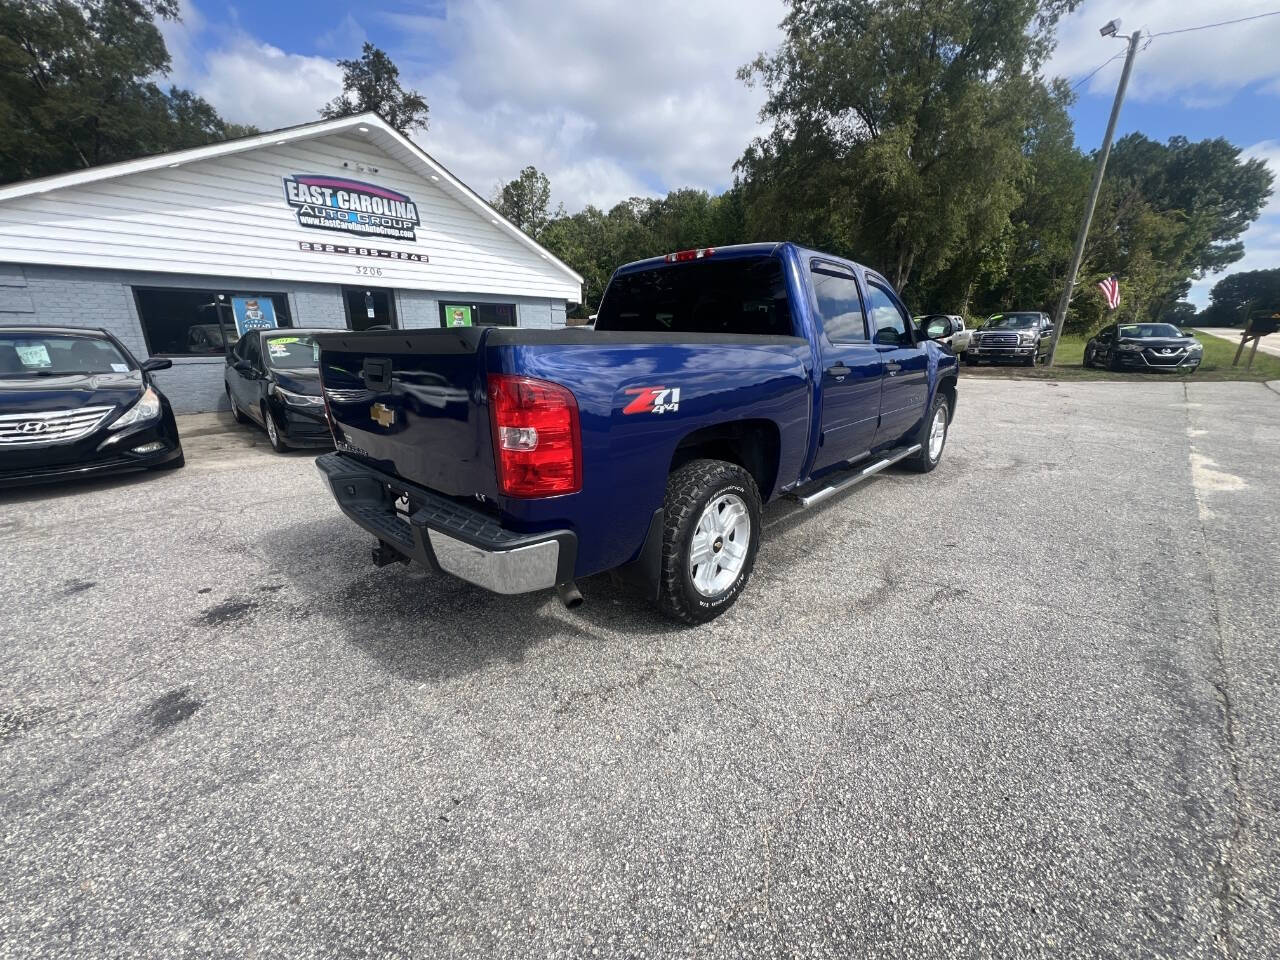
444,535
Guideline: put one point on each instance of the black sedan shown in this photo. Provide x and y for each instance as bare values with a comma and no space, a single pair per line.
1143,346
273,379
74,403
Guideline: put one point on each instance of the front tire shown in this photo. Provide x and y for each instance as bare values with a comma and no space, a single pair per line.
273,431
933,436
235,411
711,535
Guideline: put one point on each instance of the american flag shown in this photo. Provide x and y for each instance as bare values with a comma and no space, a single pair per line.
1111,290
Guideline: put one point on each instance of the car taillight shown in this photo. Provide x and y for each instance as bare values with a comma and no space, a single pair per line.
537,445
680,256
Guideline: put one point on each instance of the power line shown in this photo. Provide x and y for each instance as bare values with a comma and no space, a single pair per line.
1092,72
1220,23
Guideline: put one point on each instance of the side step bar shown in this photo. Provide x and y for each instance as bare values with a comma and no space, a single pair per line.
809,499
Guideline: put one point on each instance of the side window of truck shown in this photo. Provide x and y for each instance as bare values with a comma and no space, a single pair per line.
839,304
887,318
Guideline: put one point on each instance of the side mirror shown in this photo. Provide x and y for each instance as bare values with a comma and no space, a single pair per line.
243,366
938,328
156,363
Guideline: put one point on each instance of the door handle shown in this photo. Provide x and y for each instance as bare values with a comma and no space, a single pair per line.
892,367
839,371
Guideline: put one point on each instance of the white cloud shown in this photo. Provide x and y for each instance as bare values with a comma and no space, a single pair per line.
608,100
248,81
1207,65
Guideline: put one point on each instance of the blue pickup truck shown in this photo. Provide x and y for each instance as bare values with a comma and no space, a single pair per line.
714,381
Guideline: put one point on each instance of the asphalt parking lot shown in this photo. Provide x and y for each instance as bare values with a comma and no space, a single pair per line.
1025,705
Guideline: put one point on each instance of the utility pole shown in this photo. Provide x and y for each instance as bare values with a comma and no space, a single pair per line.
1060,315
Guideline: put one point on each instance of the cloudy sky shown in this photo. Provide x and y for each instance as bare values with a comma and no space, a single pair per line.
618,100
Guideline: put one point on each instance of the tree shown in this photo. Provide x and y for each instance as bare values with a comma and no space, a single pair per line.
898,130
1170,213
1182,314
525,201
76,87
373,83
1230,294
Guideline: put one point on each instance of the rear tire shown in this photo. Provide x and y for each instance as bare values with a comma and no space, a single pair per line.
931,444
711,507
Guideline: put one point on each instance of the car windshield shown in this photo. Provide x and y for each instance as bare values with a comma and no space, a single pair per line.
1012,321
1141,331
292,353
59,354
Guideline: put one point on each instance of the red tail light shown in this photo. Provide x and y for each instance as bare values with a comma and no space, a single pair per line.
537,445
680,256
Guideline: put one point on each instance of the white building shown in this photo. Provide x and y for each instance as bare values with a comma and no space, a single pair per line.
341,223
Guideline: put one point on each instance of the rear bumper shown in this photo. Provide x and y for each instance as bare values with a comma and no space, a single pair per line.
447,536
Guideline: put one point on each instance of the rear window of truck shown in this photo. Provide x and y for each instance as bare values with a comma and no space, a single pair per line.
744,296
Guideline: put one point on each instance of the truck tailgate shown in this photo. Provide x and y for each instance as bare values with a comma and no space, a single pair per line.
412,403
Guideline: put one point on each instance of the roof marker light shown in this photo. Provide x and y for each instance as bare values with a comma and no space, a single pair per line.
363,129
682,256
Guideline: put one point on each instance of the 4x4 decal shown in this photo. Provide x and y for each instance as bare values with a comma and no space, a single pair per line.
653,400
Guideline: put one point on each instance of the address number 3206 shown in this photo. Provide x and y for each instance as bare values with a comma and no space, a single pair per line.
368,271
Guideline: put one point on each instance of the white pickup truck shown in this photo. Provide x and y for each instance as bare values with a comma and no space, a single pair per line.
958,339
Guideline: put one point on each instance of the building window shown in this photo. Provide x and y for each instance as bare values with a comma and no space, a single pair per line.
369,309
456,314
200,323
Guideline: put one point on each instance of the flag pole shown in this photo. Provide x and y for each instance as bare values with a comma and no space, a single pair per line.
1060,315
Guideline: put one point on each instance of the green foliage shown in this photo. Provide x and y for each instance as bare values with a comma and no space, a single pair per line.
373,83
1232,293
1170,213
76,87
898,131
525,201
1182,314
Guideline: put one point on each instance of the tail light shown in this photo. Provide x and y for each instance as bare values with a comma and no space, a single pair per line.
681,256
537,445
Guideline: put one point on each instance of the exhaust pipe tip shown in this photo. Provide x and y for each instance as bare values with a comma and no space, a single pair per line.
569,595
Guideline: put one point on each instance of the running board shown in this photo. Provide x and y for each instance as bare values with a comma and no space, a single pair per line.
808,500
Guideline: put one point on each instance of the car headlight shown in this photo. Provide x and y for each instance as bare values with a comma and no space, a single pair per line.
147,407
1130,347
295,399
1025,338
1196,347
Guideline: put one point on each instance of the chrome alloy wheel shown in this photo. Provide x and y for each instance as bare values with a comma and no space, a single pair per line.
937,433
719,545
273,433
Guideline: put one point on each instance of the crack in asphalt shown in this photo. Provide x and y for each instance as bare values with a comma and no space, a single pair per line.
1228,895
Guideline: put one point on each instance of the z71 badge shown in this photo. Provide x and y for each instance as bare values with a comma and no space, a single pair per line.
653,400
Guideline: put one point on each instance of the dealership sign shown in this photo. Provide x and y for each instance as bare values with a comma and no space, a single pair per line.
350,206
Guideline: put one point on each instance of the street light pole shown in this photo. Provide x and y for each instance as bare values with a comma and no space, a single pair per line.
1060,315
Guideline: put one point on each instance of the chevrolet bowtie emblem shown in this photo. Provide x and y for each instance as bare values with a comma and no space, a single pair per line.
382,415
